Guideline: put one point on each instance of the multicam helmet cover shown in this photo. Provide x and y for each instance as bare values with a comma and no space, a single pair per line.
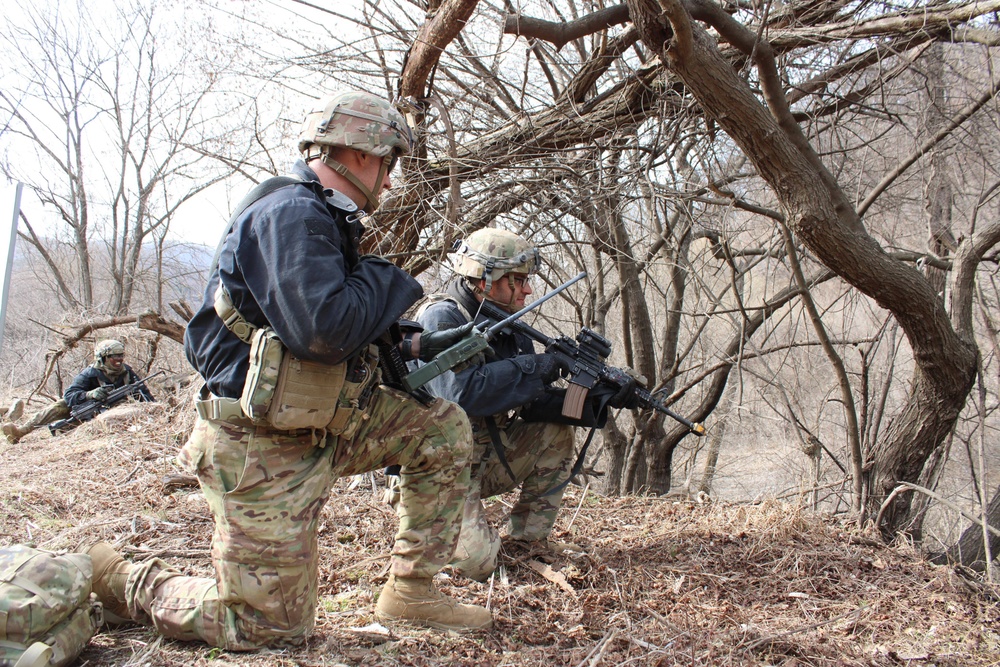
360,121
492,253
108,347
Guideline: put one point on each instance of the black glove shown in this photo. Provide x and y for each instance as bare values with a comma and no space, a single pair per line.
547,409
551,367
98,394
626,396
433,343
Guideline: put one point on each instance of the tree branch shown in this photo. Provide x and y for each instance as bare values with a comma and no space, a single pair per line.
561,33
941,134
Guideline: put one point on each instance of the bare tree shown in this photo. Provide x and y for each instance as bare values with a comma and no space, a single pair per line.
739,179
109,124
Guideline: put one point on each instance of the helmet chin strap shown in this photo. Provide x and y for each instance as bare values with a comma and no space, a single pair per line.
509,307
370,196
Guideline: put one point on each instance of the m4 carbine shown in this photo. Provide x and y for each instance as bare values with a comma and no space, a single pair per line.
90,409
585,358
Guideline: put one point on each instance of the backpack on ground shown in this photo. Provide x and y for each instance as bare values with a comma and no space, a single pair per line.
47,610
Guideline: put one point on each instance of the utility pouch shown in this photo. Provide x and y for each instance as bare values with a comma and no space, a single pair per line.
282,391
287,392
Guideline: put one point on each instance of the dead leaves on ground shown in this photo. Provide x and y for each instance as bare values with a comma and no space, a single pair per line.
663,582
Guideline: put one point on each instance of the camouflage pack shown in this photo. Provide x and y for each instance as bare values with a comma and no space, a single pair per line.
47,610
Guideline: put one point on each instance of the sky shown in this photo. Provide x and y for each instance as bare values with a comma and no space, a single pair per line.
202,219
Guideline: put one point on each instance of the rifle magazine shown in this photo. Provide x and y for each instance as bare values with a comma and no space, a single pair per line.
576,398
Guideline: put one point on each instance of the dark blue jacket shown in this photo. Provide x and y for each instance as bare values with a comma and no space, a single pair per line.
291,262
92,378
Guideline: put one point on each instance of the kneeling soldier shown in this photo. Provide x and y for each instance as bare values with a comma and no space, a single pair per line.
292,291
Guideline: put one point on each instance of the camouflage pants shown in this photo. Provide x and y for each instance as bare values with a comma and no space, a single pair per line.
266,490
541,457
47,415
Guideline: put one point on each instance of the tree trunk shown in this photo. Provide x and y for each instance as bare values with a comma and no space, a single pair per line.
715,438
825,220
969,551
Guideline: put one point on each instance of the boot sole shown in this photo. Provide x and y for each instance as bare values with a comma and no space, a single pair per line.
430,624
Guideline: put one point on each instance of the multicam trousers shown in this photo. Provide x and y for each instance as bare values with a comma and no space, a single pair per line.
540,456
266,490
51,413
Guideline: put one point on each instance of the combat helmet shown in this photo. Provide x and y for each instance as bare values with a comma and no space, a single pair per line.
360,121
492,253
106,348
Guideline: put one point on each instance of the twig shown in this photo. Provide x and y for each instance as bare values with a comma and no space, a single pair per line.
130,475
599,650
804,628
152,649
579,506
903,486
830,485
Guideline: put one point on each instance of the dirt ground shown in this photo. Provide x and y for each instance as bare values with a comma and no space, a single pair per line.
663,582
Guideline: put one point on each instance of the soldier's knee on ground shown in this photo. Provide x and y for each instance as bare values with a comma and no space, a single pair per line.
278,609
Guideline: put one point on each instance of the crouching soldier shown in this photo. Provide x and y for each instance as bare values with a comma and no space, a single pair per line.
521,441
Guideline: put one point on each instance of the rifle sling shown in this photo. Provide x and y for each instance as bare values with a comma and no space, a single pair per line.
491,426
602,403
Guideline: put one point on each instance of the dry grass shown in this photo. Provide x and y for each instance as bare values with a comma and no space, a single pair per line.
665,583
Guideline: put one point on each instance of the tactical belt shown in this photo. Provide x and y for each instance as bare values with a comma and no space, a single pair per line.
228,411
225,410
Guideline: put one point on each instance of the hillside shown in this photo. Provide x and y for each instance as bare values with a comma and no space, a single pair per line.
665,582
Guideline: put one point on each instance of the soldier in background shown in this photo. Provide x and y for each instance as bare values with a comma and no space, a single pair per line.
109,371
521,438
290,266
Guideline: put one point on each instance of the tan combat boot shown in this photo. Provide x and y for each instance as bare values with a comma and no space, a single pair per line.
13,433
417,601
110,574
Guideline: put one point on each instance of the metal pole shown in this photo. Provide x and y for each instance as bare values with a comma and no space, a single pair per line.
8,270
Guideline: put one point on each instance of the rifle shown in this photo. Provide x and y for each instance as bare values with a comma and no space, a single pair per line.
90,409
477,341
586,358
